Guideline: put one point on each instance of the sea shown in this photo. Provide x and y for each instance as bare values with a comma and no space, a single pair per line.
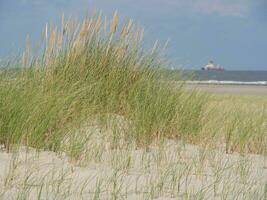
228,77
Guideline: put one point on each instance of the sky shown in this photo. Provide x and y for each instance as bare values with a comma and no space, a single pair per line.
233,33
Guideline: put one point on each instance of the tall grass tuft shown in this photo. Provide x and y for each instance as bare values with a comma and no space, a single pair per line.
87,73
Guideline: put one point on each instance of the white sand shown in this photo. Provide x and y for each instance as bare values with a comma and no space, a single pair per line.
168,171
230,89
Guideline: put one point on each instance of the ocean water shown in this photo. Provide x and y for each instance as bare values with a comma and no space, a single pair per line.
229,77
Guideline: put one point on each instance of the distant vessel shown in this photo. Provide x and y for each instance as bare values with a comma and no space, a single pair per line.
212,67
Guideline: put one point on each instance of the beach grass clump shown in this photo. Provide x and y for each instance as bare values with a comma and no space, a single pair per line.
119,127
97,73
236,122
94,72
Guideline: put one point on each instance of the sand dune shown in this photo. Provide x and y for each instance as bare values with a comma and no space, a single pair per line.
167,171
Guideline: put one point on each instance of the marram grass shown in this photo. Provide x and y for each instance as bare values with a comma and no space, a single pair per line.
93,72
97,73
94,94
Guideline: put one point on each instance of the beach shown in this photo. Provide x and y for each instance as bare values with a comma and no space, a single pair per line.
257,90
166,172
95,115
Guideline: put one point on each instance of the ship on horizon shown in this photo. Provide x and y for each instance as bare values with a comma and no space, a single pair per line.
211,66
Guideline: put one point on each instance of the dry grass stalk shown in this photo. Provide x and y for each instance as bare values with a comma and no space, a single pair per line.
109,44
70,25
130,24
155,47
126,29
114,23
61,34
60,40
123,32
26,54
52,41
122,51
46,33
83,32
62,22
98,23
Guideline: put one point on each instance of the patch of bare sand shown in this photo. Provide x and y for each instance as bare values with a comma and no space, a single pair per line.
167,171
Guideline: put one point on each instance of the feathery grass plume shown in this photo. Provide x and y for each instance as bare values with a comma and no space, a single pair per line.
52,41
46,34
26,54
114,23
60,41
84,29
82,35
61,34
98,23
126,28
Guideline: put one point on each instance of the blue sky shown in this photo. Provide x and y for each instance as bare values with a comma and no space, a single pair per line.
231,32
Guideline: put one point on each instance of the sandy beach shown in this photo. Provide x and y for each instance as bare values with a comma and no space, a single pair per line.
95,112
230,89
173,170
